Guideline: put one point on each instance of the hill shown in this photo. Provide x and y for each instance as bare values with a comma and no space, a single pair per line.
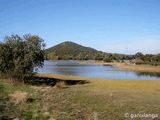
70,51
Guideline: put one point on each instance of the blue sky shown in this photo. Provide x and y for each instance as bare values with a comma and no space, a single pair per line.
116,26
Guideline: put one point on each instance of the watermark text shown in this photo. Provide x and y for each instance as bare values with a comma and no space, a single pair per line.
142,115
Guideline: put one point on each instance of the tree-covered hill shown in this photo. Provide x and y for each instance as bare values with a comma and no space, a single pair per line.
72,47
70,51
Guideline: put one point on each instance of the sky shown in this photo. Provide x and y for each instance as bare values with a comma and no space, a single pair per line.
113,26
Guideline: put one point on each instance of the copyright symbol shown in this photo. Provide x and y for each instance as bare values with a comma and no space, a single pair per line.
126,114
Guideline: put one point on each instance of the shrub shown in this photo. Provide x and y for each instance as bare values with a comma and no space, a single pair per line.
141,62
20,55
107,60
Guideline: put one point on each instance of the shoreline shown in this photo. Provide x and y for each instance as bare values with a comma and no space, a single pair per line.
69,60
69,77
128,66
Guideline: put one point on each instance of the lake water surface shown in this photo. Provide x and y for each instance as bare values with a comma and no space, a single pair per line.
94,71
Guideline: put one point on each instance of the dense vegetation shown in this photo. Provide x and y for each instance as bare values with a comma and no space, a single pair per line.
73,51
147,58
20,55
70,51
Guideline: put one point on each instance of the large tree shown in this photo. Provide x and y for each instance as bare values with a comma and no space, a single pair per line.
19,56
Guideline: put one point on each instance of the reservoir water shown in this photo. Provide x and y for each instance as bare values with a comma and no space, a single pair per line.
94,71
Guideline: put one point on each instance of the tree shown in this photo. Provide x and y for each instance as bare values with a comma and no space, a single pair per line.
52,56
19,56
80,56
138,54
99,56
107,60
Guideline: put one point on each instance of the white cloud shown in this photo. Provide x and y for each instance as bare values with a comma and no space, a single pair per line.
146,47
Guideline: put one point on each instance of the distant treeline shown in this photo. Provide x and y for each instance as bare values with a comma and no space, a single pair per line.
73,51
65,55
106,57
147,58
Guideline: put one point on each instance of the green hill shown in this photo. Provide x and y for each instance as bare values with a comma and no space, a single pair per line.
70,51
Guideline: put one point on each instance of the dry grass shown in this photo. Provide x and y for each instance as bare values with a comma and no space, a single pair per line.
19,97
111,99
93,116
61,84
100,99
130,66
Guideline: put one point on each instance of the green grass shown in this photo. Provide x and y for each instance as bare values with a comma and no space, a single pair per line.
9,109
100,99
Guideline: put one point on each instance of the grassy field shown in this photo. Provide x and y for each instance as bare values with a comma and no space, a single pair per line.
60,97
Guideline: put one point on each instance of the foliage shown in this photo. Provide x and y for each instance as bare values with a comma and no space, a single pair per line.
147,59
70,46
107,60
70,51
20,55
138,54
73,51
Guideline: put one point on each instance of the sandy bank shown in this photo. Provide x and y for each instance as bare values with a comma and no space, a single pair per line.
129,66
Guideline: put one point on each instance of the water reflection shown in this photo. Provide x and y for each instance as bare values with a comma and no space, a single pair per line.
94,71
150,74
66,71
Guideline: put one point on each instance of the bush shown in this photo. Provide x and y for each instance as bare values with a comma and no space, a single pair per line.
107,60
155,63
141,63
20,55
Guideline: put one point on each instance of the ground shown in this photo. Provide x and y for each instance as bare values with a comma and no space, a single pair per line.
61,97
